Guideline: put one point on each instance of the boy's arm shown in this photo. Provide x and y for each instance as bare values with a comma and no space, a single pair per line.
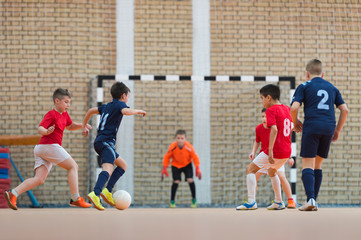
341,121
129,111
86,119
196,164
297,124
272,139
254,150
75,126
166,161
44,131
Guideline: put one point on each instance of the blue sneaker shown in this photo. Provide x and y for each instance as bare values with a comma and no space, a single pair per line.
247,206
276,206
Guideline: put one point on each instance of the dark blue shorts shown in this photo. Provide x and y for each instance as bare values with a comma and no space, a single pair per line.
187,170
315,144
106,151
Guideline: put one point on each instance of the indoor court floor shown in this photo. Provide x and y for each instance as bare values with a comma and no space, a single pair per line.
180,223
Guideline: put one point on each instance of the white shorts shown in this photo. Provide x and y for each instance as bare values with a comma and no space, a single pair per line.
262,162
49,155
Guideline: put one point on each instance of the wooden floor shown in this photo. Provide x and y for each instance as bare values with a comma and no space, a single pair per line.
179,224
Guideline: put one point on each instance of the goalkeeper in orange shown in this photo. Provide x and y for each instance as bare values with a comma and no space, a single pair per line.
182,154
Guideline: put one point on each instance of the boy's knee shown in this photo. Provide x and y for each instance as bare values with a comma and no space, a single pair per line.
252,168
190,180
40,180
272,172
176,181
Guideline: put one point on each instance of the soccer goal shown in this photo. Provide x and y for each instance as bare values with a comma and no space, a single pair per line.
219,114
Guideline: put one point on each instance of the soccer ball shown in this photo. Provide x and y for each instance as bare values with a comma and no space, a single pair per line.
122,199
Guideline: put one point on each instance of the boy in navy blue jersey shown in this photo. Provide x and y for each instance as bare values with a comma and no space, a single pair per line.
319,127
104,144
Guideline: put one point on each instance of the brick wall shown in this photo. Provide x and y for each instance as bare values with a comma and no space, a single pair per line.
163,37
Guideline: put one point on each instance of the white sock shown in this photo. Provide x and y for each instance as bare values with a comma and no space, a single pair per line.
251,187
13,191
74,196
276,184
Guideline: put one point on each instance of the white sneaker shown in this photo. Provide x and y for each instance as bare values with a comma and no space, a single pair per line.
247,206
311,205
276,206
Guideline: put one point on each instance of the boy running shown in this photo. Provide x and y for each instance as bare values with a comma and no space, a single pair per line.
49,151
104,144
279,148
182,154
319,128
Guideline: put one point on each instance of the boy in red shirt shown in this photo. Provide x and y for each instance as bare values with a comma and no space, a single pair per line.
279,148
182,154
262,139
49,151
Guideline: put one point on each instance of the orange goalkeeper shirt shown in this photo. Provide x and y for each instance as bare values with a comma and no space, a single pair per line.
180,157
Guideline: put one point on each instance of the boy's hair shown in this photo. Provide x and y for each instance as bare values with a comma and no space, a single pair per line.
272,90
118,89
60,94
180,132
314,67
264,110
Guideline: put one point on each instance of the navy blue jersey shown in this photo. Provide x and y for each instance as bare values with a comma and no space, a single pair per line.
319,97
110,118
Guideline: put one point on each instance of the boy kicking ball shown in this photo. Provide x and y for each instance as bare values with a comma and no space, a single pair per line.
104,144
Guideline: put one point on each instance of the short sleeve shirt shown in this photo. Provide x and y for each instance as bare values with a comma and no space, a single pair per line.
60,121
110,119
262,136
319,97
280,116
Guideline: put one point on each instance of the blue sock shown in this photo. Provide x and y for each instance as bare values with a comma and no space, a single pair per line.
102,180
308,179
117,173
318,181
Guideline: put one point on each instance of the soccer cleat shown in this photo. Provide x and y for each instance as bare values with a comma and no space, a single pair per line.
95,200
291,204
172,204
311,205
107,196
194,203
276,206
247,206
80,202
11,200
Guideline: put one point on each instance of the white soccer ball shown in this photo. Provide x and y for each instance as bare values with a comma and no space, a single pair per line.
122,199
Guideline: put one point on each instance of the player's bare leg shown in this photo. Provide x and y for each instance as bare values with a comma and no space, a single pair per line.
41,174
287,189
72,167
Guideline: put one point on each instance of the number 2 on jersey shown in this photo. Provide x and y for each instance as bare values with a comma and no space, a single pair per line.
321,104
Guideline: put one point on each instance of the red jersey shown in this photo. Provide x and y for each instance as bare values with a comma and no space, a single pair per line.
60,121
262,136
280,116
181,157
